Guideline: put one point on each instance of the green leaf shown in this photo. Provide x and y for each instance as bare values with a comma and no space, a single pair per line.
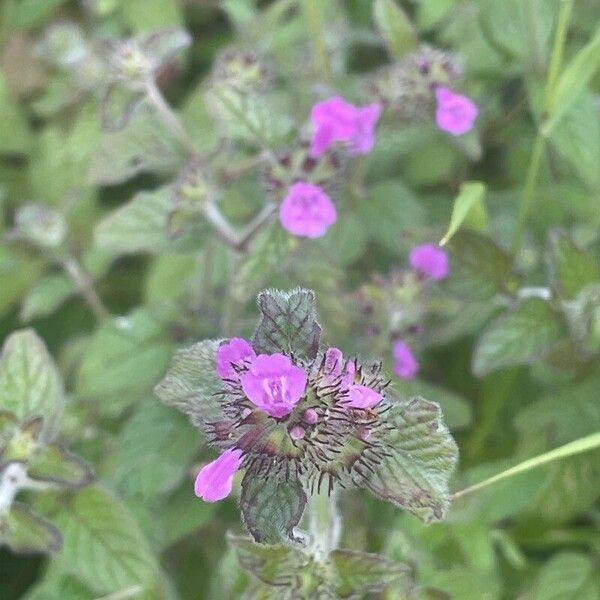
288,323
191,383
153,451
31,13
573,81
571,268
421,456
102,544
46,296
144,146
147,15
27,533
359,573
395,27
275,565
17,272
41,225
140,225
55,464
124,359
15,136
271,508
30,383
520,336
567,576
480,268
469,210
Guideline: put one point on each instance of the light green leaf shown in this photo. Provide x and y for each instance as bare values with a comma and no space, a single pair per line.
102,544
41,225
17,272
47,295
153,451
31,13
55,464
567,576
288,323
421,456
148,15
15,136
573,80
520,336
124,358
140,225
469,210
271,508
395,27
30,383
27,533
360,573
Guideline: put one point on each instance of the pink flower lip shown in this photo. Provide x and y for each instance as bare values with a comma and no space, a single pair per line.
334,363
362,396
336,120
430,260
215,480
274,384
405,365
234,352
307,211
455,113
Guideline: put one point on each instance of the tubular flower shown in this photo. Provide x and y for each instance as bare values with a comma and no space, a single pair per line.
405,364
429,260
307,211
455,113
215,480
231,355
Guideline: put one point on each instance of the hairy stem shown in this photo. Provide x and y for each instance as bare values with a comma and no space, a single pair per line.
85,286
325,525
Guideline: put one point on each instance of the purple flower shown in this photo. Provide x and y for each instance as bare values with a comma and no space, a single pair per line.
307,210
214,481
274,384
335,120
334,363
429,260
405,365
455,113
362,396
234,352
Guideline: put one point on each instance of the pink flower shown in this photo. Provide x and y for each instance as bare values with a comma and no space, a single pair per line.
430,260
455,113
234,352
334,363
214,481
405,365
274,384
335,120
362,396
307,210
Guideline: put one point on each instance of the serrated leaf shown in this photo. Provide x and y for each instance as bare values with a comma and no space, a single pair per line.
275,565
24,532
47,295
102,544
191,383
360,573
567,576
398,32
288,323
422,457
124,358
518,337
469,210
144,146
30,383
480,268
55,464
271,508
140,225
571,268
153,451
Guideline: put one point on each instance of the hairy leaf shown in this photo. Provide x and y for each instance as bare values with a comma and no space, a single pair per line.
288,323
518,337
421,458
271,508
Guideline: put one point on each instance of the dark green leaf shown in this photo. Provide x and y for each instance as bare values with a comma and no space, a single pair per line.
47,295
55,464
27,533
288,323
271,508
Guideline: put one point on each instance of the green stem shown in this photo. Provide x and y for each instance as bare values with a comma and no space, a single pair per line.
313,14
554,67
325,525
85,286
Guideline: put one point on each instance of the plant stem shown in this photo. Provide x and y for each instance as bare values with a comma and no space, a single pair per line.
313,14
157,100
13,479
325,525
85,285
528,197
